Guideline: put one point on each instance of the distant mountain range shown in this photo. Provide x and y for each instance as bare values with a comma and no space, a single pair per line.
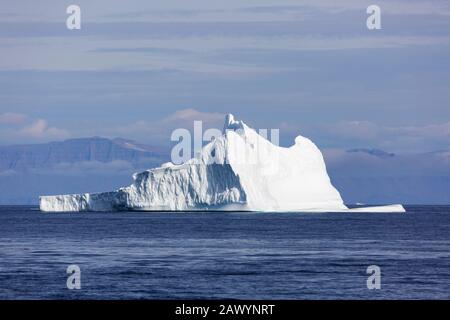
72,166
373,152
98,164
48,155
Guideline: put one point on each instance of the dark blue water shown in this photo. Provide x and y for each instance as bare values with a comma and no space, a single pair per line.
225,255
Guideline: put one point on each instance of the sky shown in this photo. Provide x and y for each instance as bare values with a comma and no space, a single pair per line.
139,69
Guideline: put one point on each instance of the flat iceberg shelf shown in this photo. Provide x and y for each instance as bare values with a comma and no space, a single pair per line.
48,205
237,171
392,208
389,208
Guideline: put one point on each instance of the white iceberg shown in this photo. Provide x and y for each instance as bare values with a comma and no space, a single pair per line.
237,171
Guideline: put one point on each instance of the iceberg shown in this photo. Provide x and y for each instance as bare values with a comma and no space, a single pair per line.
240,170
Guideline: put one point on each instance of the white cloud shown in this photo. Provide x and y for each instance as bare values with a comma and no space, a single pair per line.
352,129
190,115
204,10
391,138
92,54
40,129
20,128
11,118
160,130
7,173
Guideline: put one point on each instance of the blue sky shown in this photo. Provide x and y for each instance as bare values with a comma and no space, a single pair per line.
138,69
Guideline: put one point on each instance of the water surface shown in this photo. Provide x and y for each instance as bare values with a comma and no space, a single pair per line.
145,255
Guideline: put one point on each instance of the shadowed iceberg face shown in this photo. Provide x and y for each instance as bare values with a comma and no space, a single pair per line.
185,187
188,187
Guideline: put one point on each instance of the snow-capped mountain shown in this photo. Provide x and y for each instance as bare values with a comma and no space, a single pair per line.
239,170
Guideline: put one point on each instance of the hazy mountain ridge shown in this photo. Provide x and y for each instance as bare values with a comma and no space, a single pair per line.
373,152
96,149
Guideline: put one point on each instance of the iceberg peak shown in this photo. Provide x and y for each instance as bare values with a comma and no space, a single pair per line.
232,124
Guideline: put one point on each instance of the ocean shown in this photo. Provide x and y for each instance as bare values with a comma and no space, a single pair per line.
137,255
